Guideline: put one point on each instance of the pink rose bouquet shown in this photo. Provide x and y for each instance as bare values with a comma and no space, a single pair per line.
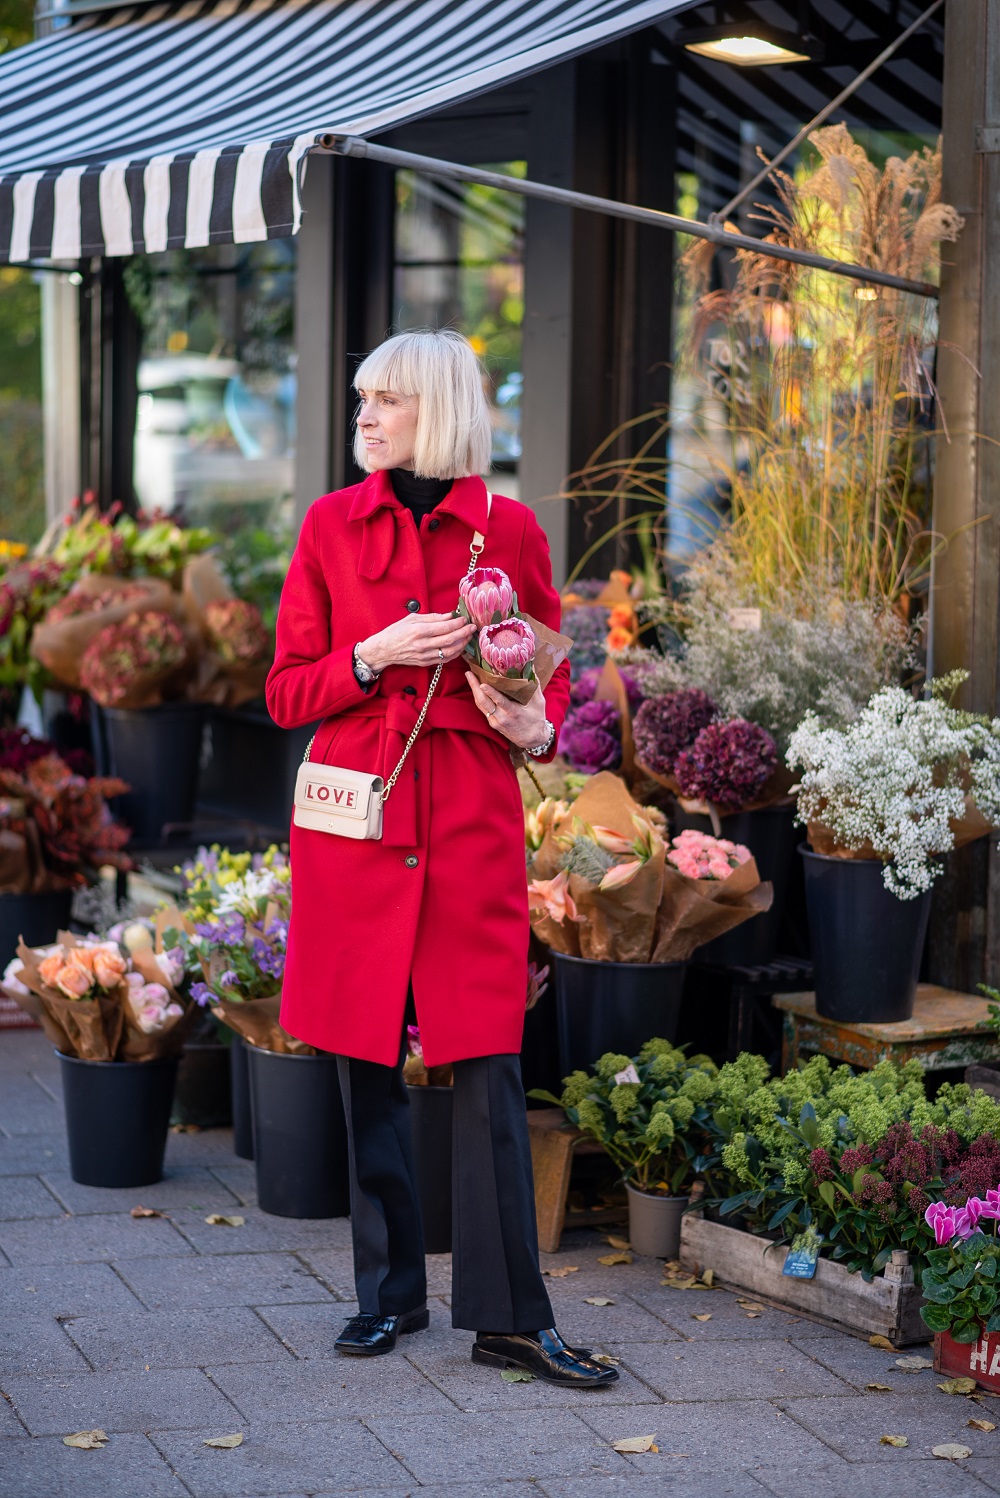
698,856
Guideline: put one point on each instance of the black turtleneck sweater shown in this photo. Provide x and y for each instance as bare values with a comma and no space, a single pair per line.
420,496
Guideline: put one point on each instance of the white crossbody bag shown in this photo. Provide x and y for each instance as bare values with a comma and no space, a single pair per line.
348,803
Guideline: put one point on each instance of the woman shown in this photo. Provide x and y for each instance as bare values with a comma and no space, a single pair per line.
438,906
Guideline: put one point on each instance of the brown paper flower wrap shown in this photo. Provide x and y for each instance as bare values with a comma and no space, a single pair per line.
257,1021
551,649
659,915
223,683
60,643
776,791
101,1027
965,829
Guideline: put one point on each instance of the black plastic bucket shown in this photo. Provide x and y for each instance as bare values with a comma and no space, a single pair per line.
239,1097
770,834
157,750
613,1006
35,917
866,943
202,1096
117,1114
299,1135
431,1111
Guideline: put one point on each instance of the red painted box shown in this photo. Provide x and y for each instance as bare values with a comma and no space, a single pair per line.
979,1360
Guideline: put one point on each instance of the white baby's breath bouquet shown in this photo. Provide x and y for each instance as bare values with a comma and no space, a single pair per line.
911,779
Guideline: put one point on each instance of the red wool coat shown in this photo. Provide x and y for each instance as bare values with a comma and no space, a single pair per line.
441,900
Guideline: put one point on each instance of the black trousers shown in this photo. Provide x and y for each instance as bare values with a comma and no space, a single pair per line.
496,1283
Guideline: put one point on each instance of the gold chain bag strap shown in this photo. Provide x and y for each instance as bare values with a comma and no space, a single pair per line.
348,803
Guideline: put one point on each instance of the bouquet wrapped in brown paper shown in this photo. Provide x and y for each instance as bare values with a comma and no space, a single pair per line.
510,651
98,1003
236,649
605,885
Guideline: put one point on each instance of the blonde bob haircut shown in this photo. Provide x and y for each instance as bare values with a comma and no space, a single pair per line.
440,368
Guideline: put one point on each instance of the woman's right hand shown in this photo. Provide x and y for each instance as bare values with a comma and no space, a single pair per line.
417,640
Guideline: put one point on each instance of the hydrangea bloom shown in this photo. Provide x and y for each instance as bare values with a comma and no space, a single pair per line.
728,763
664,726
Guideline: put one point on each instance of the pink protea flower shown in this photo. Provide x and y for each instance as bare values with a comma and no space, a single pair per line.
508,646
485,592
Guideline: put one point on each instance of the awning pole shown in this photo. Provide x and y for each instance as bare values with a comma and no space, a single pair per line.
824,114
354,145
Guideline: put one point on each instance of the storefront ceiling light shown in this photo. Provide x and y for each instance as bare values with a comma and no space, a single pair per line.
731,44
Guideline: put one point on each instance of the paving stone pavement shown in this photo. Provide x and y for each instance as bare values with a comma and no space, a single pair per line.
166,1331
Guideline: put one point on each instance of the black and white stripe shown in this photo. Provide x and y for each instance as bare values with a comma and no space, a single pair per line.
165,126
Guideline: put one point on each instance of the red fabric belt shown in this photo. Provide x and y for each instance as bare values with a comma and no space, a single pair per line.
451,714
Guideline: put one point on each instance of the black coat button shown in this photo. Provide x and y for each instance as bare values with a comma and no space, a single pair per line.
409,691
413,606
432,525
411,860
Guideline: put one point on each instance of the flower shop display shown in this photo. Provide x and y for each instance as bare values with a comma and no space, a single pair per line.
118,1025
881,800
621,919
649,1112
232,930
601,616
28,588
55,828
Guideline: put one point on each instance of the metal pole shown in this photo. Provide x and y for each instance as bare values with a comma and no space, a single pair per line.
354,145
824,114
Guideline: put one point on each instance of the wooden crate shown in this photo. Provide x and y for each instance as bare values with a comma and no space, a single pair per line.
985,1076
889,1306
979,1360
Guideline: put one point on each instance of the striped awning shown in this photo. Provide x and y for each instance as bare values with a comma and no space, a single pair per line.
167,126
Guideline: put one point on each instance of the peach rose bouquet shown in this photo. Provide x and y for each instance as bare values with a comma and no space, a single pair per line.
99,1001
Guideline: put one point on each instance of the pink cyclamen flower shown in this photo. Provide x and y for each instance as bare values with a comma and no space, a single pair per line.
485,592
506,647
990,1207
948,1222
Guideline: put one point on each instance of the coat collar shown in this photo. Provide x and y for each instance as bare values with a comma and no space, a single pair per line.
466,499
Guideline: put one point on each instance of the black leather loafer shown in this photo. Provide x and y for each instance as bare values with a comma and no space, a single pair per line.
366,1335
544,1354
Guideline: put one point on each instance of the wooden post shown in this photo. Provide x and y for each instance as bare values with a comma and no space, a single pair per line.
965,582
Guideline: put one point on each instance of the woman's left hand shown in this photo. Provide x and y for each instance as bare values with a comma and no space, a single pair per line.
522,723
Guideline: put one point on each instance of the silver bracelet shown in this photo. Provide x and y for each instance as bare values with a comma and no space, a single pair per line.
544,748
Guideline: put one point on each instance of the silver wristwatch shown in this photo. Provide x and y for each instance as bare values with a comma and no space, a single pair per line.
546,745
364,674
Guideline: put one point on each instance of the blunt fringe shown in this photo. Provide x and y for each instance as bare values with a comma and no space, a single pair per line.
454,437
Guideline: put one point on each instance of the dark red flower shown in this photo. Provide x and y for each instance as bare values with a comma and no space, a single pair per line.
728,763
664,726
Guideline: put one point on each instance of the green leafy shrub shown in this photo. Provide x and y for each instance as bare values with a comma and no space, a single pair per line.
653,1127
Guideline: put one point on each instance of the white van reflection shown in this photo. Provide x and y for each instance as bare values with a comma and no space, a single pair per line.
205,438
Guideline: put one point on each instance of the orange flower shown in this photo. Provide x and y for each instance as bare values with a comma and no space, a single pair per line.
109,967
73,981
618,638
81,957
622,577
553,896
622,614
50,968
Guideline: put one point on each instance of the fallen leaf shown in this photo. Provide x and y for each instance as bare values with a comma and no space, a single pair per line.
614,1242
597,1300
701,1315
986,1425
750,1305
752,1315
878,1389
958,1386
562,1271
618,1258
605,1357
636,1443
517,1376
219,1220
952,1452
144,1212
225,1443
893,1441
913,1364
87,1440
878,1341
708,1277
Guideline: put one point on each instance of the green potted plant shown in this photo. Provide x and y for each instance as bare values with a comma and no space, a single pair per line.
649,1112
961,1286
882,799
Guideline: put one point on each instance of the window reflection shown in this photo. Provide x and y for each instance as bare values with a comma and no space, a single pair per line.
460,264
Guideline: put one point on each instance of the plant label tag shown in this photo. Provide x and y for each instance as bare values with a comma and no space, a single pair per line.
745,619
800,1263
628,1075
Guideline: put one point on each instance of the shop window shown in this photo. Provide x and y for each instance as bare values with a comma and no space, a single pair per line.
22,479
460,264
215,429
